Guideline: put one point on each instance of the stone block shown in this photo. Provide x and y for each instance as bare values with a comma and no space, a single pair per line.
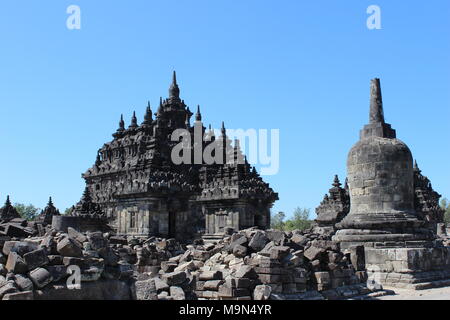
322,277
24,295
58,272
160,285
246,271
212,285
7,288
268,270
97,240
191,266
174,278
75,235
16,264
21,247
258,241
177,293
23,283
40,277
279,252
145,290
36,258
262,292
239,251
210,275
313,253
69,248
357,257
269,278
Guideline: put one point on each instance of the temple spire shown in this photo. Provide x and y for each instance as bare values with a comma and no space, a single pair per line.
174,90
121,124
8,202
224,131
148,115
336,182
50,202
376,102
198,115
133,121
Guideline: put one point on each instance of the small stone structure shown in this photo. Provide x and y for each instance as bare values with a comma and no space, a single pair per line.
393,209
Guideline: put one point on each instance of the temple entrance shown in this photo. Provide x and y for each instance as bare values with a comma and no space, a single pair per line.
172,224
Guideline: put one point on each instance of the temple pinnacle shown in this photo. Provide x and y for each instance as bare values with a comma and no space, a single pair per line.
133,121
174,90
121,123
376,102
198,115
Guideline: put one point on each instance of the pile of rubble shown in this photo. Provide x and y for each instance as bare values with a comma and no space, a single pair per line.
254,264
249,264
30,267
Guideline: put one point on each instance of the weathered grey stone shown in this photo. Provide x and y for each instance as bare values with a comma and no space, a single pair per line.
75,235
21,247
40,277
23,283
7,288
258,241
58,272
174,278
212,285
210,275
245,271
24,295
16,264
177,293
36,258
357,257
239,251
145,290
279,252
160,285
69,248
313,253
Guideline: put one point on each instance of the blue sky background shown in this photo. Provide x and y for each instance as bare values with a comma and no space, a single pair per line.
303,67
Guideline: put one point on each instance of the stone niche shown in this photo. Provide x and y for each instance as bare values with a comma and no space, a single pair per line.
153,216
237,217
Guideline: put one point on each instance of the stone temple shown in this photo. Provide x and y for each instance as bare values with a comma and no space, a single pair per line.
387,206
142,192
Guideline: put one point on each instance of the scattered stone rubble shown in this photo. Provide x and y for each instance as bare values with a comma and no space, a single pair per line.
249,264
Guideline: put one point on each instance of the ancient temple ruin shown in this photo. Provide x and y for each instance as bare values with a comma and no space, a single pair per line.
143,192
388,207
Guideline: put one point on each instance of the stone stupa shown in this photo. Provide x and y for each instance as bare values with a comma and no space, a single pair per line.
381,185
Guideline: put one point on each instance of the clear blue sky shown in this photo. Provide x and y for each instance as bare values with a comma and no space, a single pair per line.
303,67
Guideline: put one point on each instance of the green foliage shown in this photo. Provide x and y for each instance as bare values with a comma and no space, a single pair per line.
445,204
299,221
277,221
68,210
28,212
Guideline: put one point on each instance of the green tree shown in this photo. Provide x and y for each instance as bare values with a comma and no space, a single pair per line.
445,204
28,212
299,221
277,221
